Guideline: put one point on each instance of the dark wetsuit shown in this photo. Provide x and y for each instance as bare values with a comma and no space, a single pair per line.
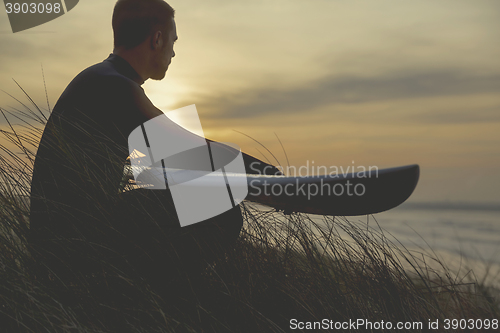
80,220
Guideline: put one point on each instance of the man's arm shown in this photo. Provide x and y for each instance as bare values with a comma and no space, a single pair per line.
254,166
176,147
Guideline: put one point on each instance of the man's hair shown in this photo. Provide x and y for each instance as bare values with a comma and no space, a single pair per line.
135,20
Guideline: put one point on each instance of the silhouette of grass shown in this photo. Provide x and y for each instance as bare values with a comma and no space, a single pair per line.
282,267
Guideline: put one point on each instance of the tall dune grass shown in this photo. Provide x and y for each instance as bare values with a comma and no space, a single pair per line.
283,267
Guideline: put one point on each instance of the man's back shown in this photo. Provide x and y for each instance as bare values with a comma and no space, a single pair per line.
79,163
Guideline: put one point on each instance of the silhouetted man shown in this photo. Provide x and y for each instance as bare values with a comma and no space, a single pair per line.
82,221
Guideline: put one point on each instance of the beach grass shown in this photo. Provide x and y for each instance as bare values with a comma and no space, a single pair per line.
285,271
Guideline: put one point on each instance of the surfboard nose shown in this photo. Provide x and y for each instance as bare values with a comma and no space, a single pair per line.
401,186
389,189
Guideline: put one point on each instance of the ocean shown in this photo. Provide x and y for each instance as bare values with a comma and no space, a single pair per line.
465,237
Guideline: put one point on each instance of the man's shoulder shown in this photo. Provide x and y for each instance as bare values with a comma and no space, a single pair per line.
110,81
102,74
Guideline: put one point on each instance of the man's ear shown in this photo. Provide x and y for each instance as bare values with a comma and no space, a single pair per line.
156,40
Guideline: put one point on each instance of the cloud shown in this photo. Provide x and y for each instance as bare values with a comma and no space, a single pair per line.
331,91
456,115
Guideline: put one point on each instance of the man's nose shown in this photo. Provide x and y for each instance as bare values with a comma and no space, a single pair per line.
173,54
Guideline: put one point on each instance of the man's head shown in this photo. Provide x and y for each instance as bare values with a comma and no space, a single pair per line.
144,34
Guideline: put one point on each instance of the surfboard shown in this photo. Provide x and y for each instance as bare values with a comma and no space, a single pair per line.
358,193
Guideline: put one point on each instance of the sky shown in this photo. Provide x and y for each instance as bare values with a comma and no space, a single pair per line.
339,83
